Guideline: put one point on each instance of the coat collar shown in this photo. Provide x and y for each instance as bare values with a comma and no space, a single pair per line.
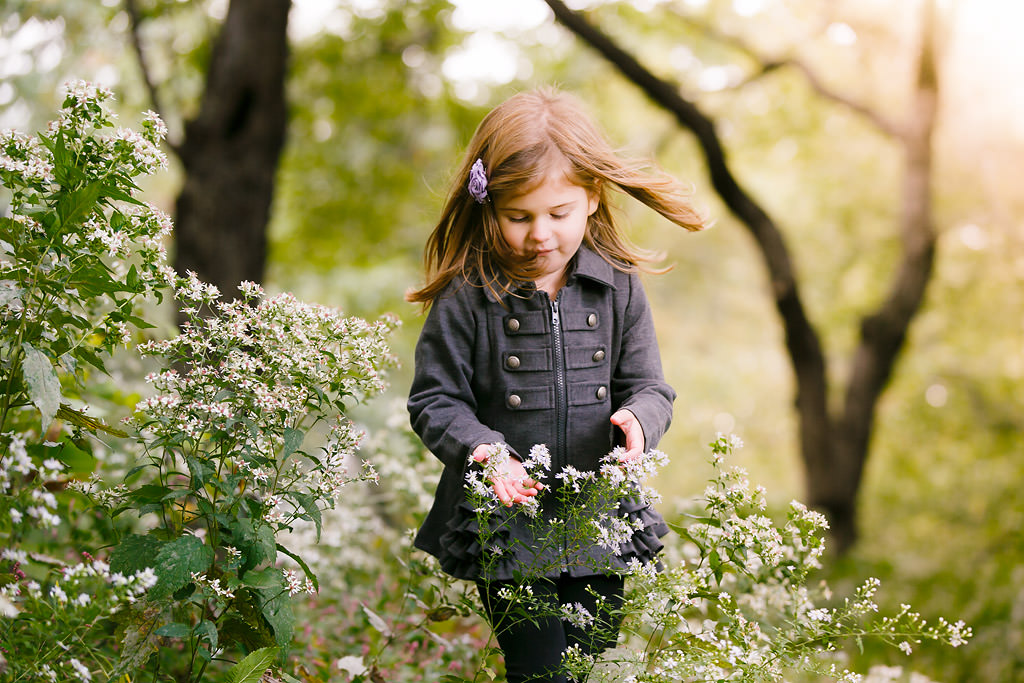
585,264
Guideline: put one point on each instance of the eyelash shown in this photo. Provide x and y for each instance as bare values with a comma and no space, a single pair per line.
526,219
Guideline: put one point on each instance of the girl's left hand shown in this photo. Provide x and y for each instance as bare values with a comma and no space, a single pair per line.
625,420
512,484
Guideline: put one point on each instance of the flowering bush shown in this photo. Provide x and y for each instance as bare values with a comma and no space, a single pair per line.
593,501
225,462
732,602
225,447
78,253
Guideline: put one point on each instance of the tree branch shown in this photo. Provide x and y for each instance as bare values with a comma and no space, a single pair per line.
134,23
883,333
802,342
768,66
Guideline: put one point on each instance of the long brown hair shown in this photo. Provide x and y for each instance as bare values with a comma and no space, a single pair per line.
515,142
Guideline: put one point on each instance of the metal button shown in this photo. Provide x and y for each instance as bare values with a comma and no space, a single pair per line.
602,392
512,362
598,355
514,401
592,320
513,325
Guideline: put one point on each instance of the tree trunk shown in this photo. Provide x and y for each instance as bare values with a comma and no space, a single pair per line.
231,149
834,452
833,485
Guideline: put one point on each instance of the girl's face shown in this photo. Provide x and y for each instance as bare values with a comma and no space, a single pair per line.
547,223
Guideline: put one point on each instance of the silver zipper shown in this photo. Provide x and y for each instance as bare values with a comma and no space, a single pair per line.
561,405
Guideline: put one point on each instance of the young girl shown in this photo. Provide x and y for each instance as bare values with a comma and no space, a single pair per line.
539,332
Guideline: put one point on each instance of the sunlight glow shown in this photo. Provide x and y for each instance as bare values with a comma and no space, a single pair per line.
841,34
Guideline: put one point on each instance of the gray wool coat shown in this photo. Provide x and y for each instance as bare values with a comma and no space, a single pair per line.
528,370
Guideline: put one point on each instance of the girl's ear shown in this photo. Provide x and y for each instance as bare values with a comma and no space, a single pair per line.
593,201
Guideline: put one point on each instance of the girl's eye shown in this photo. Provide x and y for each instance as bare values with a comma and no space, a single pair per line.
559,216
519,219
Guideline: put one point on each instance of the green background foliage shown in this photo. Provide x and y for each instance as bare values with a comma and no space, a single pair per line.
377,126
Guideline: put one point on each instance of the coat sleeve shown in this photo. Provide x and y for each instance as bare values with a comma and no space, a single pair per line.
442,405
638,383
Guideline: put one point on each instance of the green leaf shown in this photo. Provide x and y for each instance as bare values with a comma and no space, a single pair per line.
149,493
174,630
132,278
43,385
268,577
77,204
80,419
138,468
267,543
292,440
140,323
715,561
77,460
309,506
244,624
200,470
302,563
139,640
277,610
134,553
206,630
250,669
176,562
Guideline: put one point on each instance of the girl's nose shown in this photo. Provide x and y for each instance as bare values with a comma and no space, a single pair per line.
540,231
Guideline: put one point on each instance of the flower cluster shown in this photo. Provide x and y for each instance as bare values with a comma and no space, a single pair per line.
296,584
26,482
76,595
480,475
735,604
24,160
211,587
251,376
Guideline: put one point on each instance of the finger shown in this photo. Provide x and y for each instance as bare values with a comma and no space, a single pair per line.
480,453
526,491
501,491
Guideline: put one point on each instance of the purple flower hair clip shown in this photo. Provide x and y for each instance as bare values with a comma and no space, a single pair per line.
478,182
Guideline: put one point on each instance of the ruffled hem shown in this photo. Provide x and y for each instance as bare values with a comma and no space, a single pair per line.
510,551
645,543
464,557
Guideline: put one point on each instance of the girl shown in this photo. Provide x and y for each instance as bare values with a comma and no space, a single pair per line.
539,332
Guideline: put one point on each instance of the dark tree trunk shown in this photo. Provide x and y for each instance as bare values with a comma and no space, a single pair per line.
833,452
231,149
833,484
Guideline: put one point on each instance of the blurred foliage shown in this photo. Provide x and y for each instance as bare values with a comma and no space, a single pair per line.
377,127
370,143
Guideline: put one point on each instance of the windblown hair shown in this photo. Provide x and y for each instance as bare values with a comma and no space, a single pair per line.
518,142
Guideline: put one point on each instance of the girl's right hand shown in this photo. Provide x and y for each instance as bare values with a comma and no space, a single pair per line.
511,483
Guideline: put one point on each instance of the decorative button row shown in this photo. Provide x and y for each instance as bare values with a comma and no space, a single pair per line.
515,400
513,324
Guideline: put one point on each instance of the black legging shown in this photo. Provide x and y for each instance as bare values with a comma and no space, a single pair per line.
533,648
